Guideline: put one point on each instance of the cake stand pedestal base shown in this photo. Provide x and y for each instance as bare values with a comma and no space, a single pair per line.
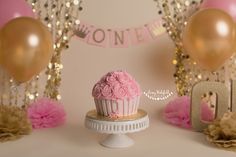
117,141
117,127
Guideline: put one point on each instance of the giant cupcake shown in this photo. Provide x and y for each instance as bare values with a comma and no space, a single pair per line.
116,94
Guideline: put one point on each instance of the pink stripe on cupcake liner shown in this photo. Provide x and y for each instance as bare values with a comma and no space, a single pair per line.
109,105
100,104
132,110
104,108
96,104
120,108
137,102
113,106
124,107
136,106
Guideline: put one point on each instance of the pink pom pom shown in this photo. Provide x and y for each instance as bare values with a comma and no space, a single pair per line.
46,113
177,112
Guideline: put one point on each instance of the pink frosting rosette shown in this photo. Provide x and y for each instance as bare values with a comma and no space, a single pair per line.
111,79
97,91
116,85
107,91
120,92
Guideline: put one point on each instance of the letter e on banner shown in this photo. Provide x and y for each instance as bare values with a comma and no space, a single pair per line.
139,35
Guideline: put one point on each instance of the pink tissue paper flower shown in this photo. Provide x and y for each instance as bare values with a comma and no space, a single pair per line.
46,113
177,112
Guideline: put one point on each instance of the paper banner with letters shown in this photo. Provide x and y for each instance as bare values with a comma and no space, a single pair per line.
119,38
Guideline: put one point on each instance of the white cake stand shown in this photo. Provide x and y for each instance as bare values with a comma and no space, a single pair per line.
117,127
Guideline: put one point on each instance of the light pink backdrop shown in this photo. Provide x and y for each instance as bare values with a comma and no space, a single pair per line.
84,64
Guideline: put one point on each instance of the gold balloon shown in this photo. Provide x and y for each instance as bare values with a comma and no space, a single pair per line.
209,38
26,48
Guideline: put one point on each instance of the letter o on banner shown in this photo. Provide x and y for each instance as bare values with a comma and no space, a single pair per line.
99,35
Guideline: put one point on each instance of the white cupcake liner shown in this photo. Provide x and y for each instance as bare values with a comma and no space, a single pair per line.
124,107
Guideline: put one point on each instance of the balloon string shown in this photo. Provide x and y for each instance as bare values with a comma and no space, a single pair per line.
16,95
3,87
11,96
36,87
26,92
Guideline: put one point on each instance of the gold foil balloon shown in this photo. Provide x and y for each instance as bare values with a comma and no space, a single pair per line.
209,38
26,48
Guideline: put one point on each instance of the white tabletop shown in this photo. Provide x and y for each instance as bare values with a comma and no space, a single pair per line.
73,139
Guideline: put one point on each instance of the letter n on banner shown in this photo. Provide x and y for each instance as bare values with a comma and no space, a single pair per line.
119,38
98,37
139,35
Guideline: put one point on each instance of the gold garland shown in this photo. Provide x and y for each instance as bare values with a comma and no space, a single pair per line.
175,14
61,17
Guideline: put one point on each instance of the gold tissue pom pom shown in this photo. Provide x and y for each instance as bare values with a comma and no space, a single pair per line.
222,132
13,123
